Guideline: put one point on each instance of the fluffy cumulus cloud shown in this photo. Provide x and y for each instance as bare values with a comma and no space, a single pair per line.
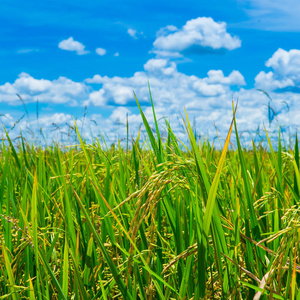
208,99
71,45
285,74
96,97
56,118
201,32
61,90
101,51
170,86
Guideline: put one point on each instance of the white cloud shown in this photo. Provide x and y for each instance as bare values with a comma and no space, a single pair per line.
61,90
286,71
215,84
200,32
100,51
96,98
207,99
217,76
7,120
132,33
117,54
71,45
155,64
286,63
268,81
119,113
164,53
171,88
56,118
29,84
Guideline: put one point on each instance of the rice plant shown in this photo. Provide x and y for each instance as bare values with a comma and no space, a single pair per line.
158,220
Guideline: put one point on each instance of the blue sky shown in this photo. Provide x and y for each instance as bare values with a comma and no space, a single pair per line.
197,55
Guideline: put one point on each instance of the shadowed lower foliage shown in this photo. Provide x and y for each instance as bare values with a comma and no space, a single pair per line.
158,221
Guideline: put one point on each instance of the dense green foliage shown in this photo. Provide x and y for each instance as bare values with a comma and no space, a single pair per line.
157,221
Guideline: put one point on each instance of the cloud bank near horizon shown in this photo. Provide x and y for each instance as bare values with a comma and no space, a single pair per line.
207,98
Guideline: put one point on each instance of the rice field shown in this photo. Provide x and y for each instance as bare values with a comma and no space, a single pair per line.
156,220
